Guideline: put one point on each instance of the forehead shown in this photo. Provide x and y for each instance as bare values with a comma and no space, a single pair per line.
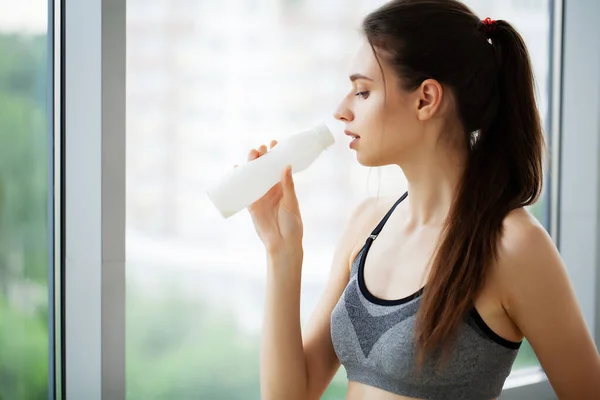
365,62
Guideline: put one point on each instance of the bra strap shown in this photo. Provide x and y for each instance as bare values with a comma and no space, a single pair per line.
379,226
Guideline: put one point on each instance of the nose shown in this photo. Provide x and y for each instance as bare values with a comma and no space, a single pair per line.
343,113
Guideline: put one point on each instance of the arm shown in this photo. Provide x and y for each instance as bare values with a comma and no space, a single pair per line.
293,367
540,300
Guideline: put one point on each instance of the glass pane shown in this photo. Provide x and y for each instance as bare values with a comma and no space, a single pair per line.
24,229
206,81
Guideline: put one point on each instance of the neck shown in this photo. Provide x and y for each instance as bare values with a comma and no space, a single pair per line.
432,185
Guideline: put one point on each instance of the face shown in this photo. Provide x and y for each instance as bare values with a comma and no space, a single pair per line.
387,120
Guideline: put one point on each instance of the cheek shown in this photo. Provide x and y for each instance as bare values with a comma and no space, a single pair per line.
400,131
370,114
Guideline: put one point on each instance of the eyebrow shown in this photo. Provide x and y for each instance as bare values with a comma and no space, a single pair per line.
354,77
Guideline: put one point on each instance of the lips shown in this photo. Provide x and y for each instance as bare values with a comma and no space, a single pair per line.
354,137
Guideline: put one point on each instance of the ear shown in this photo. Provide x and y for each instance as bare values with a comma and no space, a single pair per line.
430,95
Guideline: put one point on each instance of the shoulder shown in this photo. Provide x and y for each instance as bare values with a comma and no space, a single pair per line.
522,235
362,220
539,298
527,259
369,212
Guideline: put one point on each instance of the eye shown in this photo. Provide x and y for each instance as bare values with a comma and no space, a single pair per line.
364,94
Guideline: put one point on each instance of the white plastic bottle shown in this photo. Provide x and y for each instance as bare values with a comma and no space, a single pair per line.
247,183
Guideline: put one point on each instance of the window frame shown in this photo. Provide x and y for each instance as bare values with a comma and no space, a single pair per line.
55,167
92,194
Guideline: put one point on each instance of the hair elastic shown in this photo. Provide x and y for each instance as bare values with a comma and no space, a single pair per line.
489,24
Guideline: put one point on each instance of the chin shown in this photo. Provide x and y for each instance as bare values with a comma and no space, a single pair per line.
369,161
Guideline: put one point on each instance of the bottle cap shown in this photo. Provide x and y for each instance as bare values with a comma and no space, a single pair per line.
325,135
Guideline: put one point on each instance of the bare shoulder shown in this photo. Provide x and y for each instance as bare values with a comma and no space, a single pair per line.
363,219
527,258
521,230
523,239
369,212
538,297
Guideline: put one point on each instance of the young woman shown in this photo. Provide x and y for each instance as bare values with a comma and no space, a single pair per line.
430,295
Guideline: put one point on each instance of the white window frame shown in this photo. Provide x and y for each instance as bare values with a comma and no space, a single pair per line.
92,122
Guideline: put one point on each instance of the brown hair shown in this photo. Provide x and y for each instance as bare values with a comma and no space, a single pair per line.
487,68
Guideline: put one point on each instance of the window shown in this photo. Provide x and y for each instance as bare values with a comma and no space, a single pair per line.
25,232
195,282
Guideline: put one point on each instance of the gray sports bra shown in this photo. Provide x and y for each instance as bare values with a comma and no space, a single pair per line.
373,339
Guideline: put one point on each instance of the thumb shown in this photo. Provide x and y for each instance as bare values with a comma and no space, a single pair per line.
290,200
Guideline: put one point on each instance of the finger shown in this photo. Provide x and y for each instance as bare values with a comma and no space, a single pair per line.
262,150
290,200
273,143
252,154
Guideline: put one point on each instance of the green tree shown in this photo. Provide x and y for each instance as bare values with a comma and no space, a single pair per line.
23,159
23,217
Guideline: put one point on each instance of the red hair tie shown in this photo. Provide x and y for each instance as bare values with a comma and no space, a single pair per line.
489,24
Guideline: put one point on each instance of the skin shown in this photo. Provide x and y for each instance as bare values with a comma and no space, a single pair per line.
528,293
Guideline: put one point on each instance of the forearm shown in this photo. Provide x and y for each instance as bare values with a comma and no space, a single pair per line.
283,365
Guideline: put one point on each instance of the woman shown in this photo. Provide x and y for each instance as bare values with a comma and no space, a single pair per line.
430,295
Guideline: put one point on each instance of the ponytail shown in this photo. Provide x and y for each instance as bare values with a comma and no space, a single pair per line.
504,172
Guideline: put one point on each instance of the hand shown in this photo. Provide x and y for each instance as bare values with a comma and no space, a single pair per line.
276,215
